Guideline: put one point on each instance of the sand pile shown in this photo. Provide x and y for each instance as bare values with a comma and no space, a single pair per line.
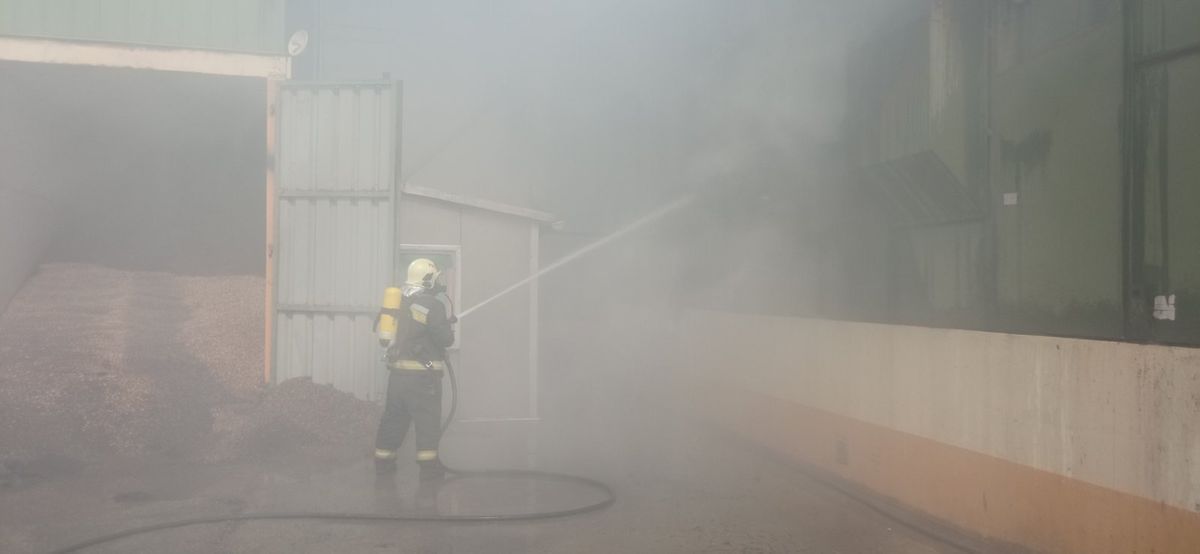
100,364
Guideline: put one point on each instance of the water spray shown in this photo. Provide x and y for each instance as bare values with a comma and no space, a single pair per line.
648,218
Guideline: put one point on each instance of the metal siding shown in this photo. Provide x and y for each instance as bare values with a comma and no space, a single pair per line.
1169,232
1055,142
908,126
1168,24
891,95
237,25
1183,183
335,232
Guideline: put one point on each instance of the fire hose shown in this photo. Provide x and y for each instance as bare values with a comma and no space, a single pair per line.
607,498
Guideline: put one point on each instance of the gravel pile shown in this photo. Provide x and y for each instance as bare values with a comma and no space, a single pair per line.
225,330
296,421
68,385
98,364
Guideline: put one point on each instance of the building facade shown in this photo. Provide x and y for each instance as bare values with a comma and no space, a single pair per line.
1032,160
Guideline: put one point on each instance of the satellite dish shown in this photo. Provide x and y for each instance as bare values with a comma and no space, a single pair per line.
297,43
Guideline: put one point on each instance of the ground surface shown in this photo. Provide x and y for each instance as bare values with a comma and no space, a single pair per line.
133,401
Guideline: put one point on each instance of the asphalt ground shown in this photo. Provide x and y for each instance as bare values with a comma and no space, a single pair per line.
696,491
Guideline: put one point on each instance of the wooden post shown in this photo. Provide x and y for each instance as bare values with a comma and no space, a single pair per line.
271,233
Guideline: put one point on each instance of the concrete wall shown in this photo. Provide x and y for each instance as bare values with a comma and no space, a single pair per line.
1063,445
30,203
25,223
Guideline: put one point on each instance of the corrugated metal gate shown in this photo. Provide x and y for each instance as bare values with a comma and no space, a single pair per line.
335,231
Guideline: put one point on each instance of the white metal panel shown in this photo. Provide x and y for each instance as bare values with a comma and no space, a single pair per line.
497,380
336,225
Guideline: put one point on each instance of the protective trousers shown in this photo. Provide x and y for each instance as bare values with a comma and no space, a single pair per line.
412,397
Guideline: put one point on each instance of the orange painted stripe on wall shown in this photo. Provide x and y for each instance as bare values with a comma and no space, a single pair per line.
995,498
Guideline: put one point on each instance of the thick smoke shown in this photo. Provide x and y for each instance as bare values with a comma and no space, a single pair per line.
599,110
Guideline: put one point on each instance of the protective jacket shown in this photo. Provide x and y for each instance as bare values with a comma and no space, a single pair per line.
423,333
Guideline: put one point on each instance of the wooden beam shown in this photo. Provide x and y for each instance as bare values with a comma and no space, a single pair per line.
102,54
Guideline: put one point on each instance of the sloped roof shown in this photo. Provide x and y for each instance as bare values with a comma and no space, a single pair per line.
479,203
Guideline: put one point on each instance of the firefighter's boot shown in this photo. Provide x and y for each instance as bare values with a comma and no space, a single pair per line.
385,462
431,466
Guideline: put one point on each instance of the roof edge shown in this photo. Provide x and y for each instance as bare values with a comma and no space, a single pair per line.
479,203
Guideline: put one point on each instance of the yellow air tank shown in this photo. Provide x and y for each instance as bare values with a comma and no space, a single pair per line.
392,297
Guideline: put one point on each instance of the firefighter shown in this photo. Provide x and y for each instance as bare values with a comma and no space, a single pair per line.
422,329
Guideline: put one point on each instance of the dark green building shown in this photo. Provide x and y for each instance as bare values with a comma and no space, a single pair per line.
1038,164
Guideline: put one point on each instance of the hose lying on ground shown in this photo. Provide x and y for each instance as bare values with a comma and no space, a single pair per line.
608,497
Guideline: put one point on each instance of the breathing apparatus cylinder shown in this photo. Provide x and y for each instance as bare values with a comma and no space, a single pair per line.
392,297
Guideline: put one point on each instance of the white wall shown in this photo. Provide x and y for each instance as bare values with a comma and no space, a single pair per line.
1122,416
496,363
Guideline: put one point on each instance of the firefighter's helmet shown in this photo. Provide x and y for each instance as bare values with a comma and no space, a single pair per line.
422,272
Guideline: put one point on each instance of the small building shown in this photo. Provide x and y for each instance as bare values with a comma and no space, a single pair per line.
482,247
